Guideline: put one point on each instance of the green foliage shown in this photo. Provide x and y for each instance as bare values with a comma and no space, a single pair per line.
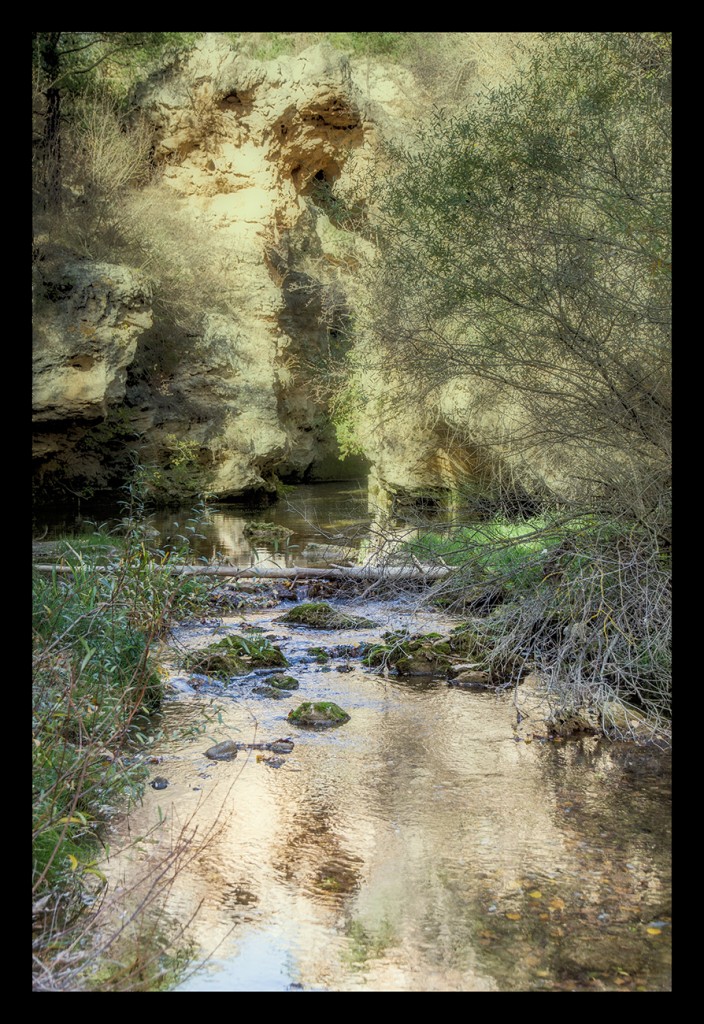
373,44
235,655
585,600
348,410
525,247
321,615
149,956
526,253
181,472
265,45
96,680
116,59
498,550
67,67
270,45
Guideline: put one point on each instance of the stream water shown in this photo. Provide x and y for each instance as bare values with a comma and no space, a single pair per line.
419,847
323,514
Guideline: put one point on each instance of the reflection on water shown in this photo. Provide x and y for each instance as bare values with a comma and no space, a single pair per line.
333,513
416,848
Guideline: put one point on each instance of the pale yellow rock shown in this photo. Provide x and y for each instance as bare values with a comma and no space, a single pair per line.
251,269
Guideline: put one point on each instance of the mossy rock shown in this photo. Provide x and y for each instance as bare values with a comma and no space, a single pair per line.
218,664
412,654
266,531
264,690
283,682
319,653
321,615
321,715
235,656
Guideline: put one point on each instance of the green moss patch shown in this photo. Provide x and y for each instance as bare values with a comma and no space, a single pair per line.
418,654
264,690
283,682
321,715
235,656
412,654
321,615
319,653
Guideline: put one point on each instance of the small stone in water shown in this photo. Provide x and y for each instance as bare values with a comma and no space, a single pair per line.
281,746
225,751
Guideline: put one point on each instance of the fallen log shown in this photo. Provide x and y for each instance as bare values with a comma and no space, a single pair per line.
335,572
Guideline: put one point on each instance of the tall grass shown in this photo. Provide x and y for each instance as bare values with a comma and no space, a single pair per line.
96,680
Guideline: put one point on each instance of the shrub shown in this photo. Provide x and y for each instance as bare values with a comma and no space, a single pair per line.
96,682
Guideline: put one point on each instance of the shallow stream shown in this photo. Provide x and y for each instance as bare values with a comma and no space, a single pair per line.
419,847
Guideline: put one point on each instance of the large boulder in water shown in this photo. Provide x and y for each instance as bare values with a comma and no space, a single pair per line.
321,615
321,715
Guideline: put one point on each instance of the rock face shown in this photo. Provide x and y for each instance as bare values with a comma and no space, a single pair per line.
245,147
89,318
253,230
215,384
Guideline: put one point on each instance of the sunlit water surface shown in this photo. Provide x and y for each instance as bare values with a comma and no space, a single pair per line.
418,847
324,514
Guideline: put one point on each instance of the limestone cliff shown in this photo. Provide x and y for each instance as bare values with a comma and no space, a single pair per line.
89,318
205,360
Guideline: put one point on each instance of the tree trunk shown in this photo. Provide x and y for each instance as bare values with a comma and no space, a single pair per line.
357,572
50,65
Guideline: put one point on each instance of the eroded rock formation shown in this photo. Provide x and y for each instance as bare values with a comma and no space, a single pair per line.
207,363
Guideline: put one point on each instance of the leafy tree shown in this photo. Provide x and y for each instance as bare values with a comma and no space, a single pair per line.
526,255
66,64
